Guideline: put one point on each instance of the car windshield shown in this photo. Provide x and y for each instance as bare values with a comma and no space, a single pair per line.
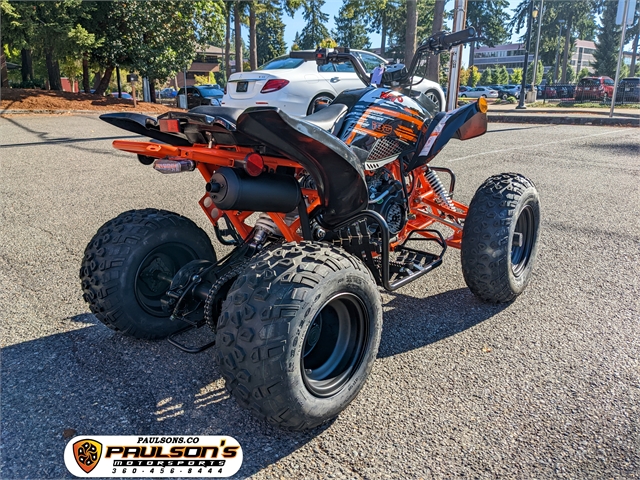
282,63
608,81
209,91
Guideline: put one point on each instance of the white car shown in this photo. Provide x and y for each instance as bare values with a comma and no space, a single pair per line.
298,87
478,92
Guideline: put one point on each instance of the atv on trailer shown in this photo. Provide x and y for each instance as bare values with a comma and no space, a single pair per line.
322,211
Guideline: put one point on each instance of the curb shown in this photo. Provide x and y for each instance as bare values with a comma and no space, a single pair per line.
564,120
69,112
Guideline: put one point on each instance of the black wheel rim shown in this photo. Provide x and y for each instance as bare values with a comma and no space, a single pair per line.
522,240
155,273
334,345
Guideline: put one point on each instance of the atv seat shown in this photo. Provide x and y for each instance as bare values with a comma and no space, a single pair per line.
329,118
337,171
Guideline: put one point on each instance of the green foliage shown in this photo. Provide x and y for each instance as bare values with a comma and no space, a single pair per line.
270,33
464,76
539,72
500,76
571,74
315,31
583,73
516,76
607,44
474,77
486,77
351,26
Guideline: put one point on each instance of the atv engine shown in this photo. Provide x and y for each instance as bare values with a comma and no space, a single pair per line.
386,198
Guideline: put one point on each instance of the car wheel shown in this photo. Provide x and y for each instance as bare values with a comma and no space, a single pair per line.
319,102
504,96
434,96
463,96
484,96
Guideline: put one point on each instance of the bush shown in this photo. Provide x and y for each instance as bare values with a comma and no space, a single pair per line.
37,83
511,99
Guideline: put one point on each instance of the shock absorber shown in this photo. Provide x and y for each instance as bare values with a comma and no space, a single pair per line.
263,227
438,188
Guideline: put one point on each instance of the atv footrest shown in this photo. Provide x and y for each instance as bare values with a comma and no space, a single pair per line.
409,263
171,339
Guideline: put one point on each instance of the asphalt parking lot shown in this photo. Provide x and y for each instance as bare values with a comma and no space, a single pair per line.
545,387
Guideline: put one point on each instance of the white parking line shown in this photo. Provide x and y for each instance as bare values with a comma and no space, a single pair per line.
545,144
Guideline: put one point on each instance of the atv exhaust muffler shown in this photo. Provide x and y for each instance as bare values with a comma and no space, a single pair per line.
233,189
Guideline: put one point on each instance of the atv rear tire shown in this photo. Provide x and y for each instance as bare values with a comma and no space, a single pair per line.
122,263
500,237
298,334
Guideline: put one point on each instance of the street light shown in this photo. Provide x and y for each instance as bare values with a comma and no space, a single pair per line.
526,58
535,57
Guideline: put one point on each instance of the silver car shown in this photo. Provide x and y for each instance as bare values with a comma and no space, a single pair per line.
478,92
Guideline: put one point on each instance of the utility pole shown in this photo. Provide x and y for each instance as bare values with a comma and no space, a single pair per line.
523,86
535,57
620,54
459,20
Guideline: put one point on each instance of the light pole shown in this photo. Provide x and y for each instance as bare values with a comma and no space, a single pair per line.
535,57
523,86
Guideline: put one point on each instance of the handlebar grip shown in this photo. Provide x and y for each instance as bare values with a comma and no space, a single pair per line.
457,38
303,55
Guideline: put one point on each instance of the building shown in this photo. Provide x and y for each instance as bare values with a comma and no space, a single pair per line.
583,56
512,56
207,61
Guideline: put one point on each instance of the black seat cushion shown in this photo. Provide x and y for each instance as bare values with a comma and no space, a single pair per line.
329,118
228,113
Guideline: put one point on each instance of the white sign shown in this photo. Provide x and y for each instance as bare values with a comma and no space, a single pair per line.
148,456
630,12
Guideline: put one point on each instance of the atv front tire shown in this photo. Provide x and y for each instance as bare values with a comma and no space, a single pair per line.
129,264
298,334
500,237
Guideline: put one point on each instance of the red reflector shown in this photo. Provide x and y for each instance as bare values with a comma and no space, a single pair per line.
274,85
253,164
169,125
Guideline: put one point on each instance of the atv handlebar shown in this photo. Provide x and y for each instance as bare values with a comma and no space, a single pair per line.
437,43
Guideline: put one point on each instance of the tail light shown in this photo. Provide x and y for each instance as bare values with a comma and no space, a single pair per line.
274,85
169,125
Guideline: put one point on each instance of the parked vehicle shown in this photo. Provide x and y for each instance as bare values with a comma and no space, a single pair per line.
506,91
202,95
479,92
125,95
301,88
594,88
628,90
168,93
345,201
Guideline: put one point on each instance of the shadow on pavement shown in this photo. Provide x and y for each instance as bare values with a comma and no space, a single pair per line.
415,322
96,382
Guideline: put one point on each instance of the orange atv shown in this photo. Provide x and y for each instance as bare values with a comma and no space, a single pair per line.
322,211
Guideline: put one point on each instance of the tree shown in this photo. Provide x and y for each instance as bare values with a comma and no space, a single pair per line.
583,73
539,72
607,44
270,33
315,31
516,76
501,76
411,30
351,29
432,61
570,74
489,18
464,76
485,78
474,76
237,28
